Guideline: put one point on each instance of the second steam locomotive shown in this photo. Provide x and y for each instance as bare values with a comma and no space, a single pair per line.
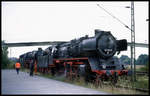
90,57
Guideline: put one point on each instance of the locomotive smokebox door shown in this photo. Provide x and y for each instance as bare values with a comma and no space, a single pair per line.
106,45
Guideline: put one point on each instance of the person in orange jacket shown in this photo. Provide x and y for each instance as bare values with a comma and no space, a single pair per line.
17,66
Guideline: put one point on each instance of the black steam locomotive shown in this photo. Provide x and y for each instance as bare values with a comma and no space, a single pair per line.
90,57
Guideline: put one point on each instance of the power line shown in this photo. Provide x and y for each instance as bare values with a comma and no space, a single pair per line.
114,17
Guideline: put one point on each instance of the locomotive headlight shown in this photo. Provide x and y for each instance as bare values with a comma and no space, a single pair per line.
103,66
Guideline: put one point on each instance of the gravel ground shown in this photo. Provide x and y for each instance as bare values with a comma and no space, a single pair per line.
24,84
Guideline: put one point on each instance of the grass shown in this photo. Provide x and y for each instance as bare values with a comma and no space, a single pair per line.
142,82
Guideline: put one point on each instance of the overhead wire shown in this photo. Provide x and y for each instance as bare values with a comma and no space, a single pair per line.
114,17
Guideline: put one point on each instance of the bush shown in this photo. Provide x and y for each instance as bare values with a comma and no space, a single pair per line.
11,65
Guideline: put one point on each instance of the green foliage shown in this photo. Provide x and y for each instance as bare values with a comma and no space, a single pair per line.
11,65
125,59
142,59
5,60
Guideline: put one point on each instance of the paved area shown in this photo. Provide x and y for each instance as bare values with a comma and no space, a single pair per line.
24,84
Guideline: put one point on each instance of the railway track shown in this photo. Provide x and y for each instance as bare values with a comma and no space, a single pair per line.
142,73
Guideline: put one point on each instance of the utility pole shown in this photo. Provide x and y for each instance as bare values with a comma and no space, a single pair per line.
10,52
133,66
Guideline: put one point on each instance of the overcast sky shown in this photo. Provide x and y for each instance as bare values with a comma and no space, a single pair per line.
64,21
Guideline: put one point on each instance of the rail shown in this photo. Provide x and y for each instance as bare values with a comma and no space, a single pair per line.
142,73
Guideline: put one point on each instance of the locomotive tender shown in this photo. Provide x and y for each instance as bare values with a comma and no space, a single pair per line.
91,57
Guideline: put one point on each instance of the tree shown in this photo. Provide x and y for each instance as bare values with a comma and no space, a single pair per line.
5,60
125,59
142,59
